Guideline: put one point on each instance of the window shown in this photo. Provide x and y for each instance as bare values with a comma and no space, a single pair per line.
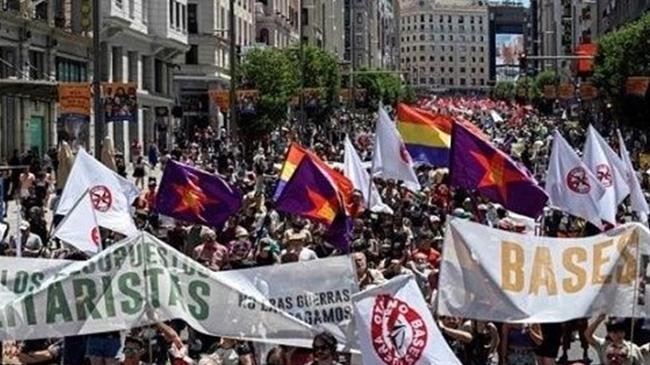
462,70
449,19
36,65
473,69
471,19
131,9
132,67
451,69
463,59
158,76
422,37
451,37
432,69
431,80
70,71
422,48
442,80
192,56
117,64
473,81
482,82
432,59
119,4
192,19
442,58
145,11
451,81
461,19
146,73
451,48
171,13
430,18
462,81
482,49
461,28
304,15
423,80
433,48
480,20
482,69
482,60
178,15
422,18
183,18
422,58
443,47
451,58
442,37
442,18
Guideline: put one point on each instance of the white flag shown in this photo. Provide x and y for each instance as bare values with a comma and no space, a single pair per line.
395,326
391,160
111,194
570,185
79,227
637,199
609,170
354,170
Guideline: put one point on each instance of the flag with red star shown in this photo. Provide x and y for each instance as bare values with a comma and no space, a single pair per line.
312,193
196,196
477,165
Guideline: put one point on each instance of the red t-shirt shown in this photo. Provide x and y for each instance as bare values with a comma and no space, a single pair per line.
433,256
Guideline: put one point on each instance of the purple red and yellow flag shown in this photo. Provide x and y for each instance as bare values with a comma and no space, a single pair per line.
476,164
192,195
312,193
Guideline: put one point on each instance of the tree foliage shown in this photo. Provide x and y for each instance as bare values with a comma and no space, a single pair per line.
271,72
383,86
503,90
621,54
321,70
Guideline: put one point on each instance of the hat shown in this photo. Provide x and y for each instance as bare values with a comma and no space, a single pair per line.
152,181
241,232
24,225
297,236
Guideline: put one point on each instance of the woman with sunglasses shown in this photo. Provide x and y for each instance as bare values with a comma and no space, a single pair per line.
324,349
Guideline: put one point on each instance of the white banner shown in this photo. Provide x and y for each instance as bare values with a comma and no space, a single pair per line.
396,326
142,280
489,274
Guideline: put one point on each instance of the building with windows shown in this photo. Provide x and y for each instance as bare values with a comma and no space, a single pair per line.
444,44
142,42
207,62
42,43
323,24
277,22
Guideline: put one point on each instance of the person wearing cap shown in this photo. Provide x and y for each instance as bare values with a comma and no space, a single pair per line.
614,349
30,243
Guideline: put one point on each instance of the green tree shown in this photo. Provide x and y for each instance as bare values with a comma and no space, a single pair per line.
526,90
321,70
271,72
621,54
545,78
381,86
503,90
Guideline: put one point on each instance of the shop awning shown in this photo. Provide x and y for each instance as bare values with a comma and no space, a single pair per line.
30,89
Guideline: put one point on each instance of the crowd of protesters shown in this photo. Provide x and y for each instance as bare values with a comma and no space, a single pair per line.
383,245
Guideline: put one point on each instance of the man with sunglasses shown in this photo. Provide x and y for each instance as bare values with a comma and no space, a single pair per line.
615,349
324,349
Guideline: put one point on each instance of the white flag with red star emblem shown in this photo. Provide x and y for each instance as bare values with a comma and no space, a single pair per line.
111,194
570,185
79,227
609,170
391,160
395,326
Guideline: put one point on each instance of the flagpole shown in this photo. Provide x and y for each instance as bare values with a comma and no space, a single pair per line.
635,298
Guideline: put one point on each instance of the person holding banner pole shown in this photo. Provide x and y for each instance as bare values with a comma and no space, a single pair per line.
614,349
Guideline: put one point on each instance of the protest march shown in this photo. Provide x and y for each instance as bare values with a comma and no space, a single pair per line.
460,230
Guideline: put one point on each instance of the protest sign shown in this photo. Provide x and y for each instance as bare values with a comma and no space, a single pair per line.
120,102
489,274
142,280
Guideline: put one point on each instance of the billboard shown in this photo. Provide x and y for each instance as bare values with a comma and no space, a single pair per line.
508,48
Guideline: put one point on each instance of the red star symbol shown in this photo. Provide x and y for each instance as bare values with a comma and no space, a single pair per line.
497,173
193,199
322,208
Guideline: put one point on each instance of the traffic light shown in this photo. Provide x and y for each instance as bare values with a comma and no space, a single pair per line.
523,62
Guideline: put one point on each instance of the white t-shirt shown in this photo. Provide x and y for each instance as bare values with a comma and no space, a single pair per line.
626,354
306,254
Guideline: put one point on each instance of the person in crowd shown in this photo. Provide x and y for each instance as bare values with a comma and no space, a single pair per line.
614,349
30,244
366,277
211,253
325,349
295,246
139,171
518,344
